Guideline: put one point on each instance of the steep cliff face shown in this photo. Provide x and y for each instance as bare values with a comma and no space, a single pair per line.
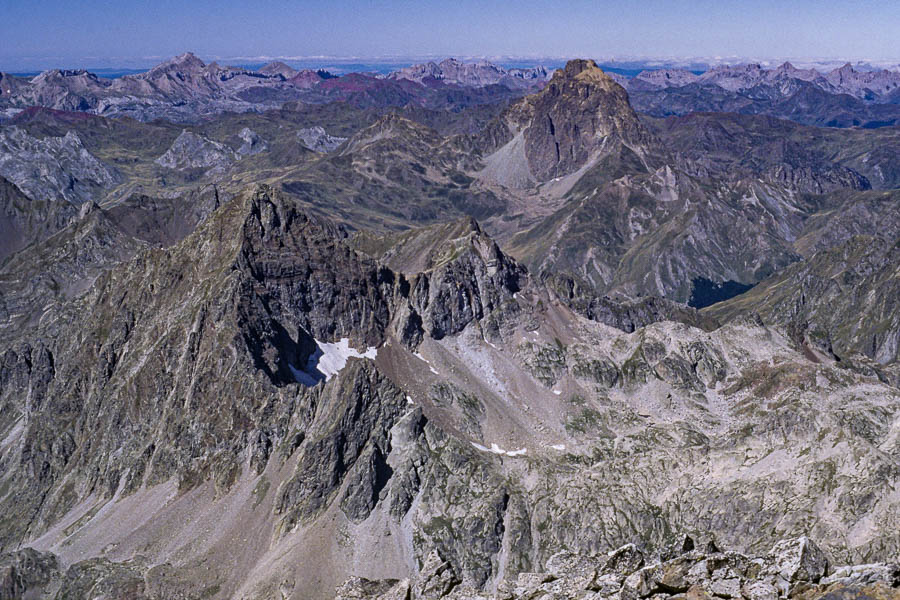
24,221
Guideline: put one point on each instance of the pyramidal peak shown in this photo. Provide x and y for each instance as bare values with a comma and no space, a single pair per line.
581,113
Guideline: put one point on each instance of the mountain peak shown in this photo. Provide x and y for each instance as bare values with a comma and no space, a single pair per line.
583,70
183,62
581,112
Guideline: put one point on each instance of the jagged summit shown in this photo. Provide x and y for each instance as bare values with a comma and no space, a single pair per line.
184,61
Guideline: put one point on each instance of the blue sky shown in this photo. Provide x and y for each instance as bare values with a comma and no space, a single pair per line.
76,33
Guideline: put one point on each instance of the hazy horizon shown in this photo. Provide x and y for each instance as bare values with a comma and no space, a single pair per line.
115,67
130,34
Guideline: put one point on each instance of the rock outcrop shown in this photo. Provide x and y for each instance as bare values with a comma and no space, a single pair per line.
53,167
317,140
251,143
192,151
793,568
184,88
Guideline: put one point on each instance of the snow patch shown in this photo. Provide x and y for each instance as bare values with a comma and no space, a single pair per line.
557,392
558,446
495,449
334,357
328,360
425,360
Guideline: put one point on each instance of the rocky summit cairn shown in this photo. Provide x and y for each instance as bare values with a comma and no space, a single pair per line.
794,568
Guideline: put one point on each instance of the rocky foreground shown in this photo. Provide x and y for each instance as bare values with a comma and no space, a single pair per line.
795,568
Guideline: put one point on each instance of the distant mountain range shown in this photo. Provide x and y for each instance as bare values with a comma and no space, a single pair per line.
185,89
843,97
867,85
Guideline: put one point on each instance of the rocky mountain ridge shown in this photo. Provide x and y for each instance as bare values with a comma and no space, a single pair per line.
184,89
480,376
477,74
